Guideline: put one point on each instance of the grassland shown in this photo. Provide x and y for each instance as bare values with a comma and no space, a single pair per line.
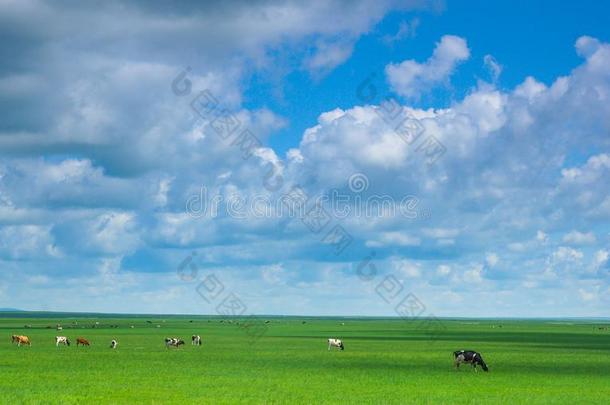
385,361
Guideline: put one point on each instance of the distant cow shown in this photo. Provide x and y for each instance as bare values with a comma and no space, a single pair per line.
335,343
82,341
63,340
173,342
21,340
471,357
196,340
113,344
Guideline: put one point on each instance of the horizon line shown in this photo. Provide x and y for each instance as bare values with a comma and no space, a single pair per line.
387,317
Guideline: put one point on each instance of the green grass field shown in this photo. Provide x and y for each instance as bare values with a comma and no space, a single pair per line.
385,361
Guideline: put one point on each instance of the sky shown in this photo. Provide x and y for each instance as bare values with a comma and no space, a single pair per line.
350,158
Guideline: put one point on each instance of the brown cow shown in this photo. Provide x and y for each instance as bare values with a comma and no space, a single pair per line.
21,340
82,341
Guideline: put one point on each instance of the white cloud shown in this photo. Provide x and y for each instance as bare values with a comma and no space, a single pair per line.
328,56
587,46
441,233
394,239
443,270
445,242
39,279
492,259
517,247
541,236
601,257
587,295
273,274
567,254
474,274
26,242
495,69
109,233
486,109
406,29
406,268
579,238
595,167
411,79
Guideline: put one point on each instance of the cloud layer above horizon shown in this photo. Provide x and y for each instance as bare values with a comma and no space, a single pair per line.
100,157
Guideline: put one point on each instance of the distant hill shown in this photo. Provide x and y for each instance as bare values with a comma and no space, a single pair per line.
11,310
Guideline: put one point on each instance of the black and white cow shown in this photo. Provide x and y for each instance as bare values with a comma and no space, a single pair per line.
63,340
471,357
335,343
173,342
113,344
196,340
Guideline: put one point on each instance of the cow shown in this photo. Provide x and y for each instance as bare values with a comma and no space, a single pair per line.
335,343
173,342
113,344
196,340
21,340
63,340
82,341
471,357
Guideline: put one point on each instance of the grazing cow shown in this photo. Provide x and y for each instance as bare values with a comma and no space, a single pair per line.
21,340
173,342
113,344
336,343
63,340
469,356
82,341
196,340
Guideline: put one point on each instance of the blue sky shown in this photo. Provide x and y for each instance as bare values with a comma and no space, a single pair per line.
105,168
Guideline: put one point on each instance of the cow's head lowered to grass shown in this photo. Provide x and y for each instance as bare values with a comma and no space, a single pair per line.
469,356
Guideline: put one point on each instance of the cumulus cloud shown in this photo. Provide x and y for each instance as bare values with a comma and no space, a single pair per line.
411,78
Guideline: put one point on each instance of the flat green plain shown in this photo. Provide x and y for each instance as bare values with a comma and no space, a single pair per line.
384,361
